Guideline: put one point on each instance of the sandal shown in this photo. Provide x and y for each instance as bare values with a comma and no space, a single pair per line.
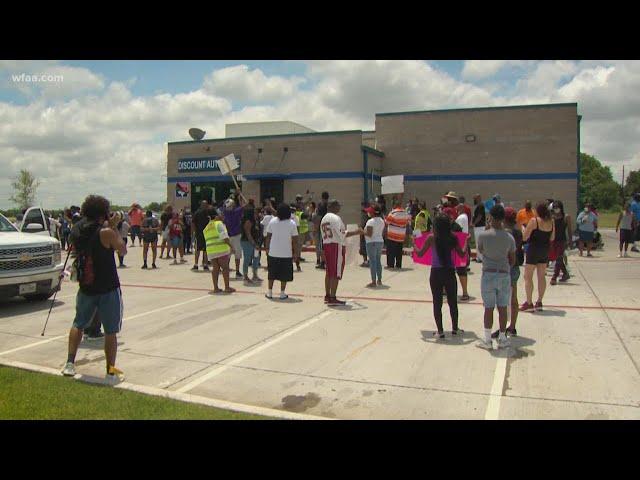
229,290
465,298
217,290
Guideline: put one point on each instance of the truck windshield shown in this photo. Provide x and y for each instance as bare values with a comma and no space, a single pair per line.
6,226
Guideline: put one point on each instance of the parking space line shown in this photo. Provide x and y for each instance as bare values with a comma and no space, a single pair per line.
495,397
149,312
259,348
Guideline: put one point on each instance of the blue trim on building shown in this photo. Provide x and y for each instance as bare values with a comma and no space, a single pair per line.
377,178
491,176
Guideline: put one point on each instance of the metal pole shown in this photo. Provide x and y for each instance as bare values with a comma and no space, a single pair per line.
57,290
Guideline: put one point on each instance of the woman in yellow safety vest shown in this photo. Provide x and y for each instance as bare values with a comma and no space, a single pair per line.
218,250
422,218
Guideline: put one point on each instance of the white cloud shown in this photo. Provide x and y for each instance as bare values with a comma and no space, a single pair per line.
101,138
477,69
239,83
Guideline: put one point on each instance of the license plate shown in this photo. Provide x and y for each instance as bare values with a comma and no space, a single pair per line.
27,288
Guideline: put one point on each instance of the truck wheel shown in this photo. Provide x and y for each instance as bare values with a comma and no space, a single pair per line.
38,297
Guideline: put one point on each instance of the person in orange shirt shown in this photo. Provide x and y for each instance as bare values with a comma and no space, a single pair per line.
135,221
525,215
397,222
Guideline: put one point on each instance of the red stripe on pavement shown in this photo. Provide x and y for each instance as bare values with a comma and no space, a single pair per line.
374,299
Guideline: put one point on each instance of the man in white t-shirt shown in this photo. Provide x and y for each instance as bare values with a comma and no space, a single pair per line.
282,249
334,233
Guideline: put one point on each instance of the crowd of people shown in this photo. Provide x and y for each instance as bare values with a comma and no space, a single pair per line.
505,240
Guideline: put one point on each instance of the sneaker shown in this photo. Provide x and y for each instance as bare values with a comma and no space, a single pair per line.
495,334
457,332
484,345
239,275
527,307
619,255
512,332
93,337
69,370
565,278
248,282
327,298
635,249
320,266
114,376
438,336
334,302
503,343
302,259
379,283
269,296
589,255
144,267
256,279
553,281
205,267
538,307
283,296
195,267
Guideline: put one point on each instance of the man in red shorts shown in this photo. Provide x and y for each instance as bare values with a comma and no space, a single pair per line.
334,233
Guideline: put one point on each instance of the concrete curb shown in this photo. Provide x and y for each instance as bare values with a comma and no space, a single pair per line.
183,397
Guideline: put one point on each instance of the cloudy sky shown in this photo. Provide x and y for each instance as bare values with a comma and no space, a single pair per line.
103,128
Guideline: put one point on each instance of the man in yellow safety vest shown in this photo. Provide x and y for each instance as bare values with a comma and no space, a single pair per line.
218,250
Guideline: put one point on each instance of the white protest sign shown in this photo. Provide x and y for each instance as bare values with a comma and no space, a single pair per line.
392,184
353,247
228,164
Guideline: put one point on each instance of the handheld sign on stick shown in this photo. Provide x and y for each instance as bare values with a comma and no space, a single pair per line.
227,165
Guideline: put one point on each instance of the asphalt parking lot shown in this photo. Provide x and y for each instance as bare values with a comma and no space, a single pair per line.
374,358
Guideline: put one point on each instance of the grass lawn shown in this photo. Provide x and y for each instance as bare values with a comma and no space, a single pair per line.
607,219
28,395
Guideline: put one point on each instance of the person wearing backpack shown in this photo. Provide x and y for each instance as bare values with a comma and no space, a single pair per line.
95,241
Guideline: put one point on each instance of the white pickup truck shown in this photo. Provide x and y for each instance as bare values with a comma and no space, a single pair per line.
30,258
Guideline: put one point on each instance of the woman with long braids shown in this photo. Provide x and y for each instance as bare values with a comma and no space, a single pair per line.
443,271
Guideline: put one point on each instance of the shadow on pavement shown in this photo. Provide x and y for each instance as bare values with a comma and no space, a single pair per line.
21,307
464,339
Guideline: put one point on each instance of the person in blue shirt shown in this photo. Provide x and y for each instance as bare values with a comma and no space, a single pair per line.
587,224
635,208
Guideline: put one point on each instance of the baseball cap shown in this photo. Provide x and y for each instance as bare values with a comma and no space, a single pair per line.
510,214
371,211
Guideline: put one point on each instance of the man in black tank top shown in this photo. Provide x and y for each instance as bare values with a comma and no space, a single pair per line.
95,241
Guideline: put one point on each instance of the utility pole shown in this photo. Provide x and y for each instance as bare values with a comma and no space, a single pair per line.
623,185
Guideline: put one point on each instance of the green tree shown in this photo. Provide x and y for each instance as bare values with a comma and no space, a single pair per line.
632,183
156,207
597,185
24,189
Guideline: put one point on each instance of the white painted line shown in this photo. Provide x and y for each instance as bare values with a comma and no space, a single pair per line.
31,345
183,397
165,308
495,397
42,342
259,348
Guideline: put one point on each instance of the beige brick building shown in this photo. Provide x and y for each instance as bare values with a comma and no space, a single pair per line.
522,152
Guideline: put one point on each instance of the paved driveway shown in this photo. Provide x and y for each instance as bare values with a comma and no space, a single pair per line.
375,358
